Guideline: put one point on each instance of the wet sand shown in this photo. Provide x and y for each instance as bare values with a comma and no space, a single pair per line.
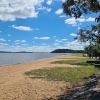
15,85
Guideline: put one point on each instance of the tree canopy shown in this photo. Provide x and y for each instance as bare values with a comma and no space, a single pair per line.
78,7
91,35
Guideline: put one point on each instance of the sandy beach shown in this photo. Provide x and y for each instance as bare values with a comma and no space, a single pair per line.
15,85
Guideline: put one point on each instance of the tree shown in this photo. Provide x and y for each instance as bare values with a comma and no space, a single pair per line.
91,35
93,50
77,8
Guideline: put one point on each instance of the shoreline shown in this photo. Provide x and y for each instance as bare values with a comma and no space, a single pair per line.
40,59
31,61
15,85
35,64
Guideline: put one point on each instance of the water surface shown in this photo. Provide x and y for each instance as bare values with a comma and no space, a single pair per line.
13,58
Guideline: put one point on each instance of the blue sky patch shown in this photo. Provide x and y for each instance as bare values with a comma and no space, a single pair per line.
39,25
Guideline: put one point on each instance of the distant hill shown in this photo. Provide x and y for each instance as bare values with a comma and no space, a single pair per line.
21,52
5,52
15,52
67,51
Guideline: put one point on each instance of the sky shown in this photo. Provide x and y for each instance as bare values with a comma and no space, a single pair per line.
39,26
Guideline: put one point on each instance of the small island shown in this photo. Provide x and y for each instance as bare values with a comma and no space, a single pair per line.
67,51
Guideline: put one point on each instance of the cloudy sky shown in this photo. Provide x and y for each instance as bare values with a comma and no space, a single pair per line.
39,26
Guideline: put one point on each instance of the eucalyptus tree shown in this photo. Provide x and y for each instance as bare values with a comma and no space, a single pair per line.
77,8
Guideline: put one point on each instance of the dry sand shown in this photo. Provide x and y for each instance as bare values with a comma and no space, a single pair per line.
15,85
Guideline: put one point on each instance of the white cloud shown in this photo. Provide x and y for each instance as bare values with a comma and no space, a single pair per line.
46,9
59,41
28,48
75,45
3,44
21,45
43,47
39,48
23,41
72,21
90,19
63,0
2,40
22,28
42,38
49,2
64,39
20,41
56,44
10,10
59,11
73,34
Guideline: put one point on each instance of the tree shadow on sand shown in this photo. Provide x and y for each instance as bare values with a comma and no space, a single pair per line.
89,91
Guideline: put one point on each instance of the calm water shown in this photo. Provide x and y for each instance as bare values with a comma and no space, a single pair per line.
13,58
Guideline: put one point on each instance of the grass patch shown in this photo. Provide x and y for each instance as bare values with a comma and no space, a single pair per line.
77,61
74,75
72,62
63,74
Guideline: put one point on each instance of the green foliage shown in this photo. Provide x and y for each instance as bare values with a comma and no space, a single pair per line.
72,62
91,35
86,35
96,31
95,49
68,74
81,62
78,7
